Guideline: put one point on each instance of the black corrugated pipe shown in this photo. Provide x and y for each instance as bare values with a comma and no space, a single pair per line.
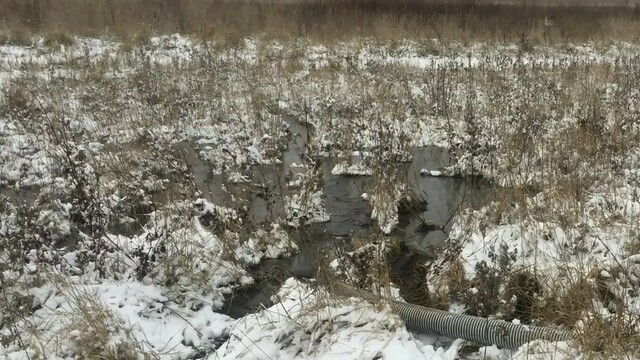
459,326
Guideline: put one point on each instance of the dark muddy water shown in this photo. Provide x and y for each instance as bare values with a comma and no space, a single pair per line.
350,215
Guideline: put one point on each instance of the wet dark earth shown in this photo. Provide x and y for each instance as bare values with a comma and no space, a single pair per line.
421,225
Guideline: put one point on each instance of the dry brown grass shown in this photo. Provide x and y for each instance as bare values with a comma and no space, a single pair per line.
85,326
575,306
324,19
15,36
58,37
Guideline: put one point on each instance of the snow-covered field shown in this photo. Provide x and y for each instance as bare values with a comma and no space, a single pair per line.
129,179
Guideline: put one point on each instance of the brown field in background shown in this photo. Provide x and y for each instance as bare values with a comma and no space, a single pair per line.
328,20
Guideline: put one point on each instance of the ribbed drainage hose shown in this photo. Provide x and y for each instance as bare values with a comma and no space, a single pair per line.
459,326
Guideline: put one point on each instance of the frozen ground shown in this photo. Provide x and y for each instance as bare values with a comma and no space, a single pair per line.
107,244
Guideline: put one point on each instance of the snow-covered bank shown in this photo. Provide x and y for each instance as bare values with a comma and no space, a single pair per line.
71,323
308,323
157,293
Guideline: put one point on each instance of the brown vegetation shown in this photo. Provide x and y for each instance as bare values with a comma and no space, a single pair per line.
322,19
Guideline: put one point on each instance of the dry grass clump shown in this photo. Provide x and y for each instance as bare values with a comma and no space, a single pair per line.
58,37
17,101
15,36
449,282
81,325
496,289
611,338
602,324
366,266
92,327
